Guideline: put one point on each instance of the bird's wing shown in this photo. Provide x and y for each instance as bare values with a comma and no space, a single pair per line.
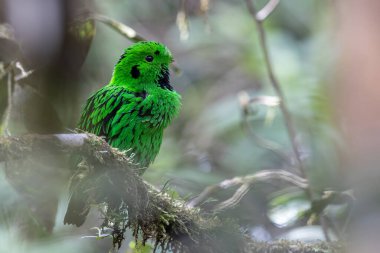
96,118
102,107
79,205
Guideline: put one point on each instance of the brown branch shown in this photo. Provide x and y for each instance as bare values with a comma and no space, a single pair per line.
123,29
277,88
261,176
10,85
245,102
152,215
168,221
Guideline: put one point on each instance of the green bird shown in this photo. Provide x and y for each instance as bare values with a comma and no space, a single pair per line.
131,112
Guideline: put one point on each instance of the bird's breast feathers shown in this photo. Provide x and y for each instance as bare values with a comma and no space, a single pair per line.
159,108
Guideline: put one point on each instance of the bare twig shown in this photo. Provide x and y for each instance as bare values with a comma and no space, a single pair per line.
276,86
333,226
325,227
235,199
23,73
350,201
12,78
204,8
10,83
265,143
124,30
318,207
267,10
182,22
5,68
121,28
245,102
260,176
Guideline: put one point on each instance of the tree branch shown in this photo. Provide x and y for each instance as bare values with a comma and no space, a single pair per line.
152,215
127,31
277,88
10,85
260,176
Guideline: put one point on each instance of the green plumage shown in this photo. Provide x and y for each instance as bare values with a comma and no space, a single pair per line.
132,111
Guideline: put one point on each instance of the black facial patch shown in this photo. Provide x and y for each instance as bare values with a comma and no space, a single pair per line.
164,79
157,52
135,72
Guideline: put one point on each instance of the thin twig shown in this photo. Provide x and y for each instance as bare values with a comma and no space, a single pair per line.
350,202
267,10
324,226
124,30
333,226
204,8
23,73
276,86
260,176
318,207
10,82
5,69
245,102
263,142
235,199
182,22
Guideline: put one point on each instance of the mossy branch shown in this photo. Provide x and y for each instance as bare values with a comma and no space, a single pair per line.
152,215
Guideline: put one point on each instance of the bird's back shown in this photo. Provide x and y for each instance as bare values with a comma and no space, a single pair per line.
131,121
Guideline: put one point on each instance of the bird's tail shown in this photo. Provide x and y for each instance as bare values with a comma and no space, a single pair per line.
77,209
79,203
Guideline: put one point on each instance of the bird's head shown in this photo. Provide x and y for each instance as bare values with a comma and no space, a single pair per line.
143,66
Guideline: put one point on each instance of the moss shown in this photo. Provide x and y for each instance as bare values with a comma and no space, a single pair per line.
112,181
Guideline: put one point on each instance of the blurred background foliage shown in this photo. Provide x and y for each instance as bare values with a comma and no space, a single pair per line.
219,58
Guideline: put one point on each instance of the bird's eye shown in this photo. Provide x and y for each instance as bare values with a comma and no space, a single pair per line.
149,58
